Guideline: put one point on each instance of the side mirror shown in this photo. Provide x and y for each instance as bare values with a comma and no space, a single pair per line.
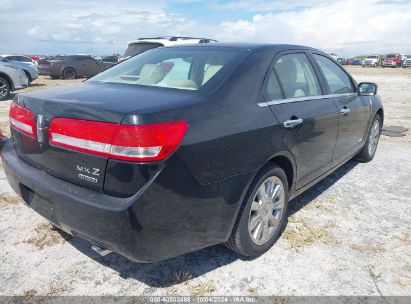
367,89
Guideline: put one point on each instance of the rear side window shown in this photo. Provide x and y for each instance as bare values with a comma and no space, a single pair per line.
138,48
297,76
338,81
273,87
24,59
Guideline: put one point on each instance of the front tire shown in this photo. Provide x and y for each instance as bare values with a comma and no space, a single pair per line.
4,89
69,73
368,151
262,215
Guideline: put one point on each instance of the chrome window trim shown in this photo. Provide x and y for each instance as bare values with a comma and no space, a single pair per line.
304,98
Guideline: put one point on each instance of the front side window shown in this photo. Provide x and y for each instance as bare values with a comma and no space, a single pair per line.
338,81
187,68
297,76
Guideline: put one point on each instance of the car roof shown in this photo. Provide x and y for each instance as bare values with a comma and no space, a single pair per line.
251,46
7,55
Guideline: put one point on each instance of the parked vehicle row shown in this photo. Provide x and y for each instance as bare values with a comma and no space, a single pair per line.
391,60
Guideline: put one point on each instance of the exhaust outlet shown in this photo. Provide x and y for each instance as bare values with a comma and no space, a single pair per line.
100,251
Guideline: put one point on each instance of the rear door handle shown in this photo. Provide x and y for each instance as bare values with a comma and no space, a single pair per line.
292,123
345,111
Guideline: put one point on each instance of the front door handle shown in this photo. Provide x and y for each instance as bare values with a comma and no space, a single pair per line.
345,111
292,123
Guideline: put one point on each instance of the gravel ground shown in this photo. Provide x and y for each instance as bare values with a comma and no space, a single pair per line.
348,235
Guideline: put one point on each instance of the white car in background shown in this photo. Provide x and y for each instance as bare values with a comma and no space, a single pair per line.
142,45
20,58
29,68
11,78
407,62
334,56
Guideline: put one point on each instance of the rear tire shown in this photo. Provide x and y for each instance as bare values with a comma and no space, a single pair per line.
262,215
69,73
368,151
4,89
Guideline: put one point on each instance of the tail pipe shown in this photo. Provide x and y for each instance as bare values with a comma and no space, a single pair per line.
100,251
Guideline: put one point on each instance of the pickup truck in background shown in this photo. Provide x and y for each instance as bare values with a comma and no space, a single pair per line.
393,60
372,60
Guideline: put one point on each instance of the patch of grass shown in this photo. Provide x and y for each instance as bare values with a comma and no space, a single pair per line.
9,200
28,294
323,204
252,291
406,239
301,234
364,248
46,236
55,289
202,289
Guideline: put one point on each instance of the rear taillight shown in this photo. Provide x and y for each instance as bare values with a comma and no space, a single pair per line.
133,143
22,120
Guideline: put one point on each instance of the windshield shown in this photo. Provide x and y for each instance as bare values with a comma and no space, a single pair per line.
187,68
371,57
391,56
2,59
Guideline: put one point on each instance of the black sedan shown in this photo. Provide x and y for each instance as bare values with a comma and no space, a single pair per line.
185,147
74,66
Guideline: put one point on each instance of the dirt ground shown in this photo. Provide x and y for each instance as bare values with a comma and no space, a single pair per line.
348,235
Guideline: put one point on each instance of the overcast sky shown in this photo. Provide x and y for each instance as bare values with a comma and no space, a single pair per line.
345,27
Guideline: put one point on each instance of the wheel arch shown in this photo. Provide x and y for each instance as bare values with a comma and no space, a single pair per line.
8,79
380,112
28,75
285,161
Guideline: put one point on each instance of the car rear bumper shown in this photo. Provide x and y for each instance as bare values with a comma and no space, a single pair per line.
157,223
44,70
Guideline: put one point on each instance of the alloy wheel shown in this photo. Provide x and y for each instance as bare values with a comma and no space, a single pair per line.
374,137
3,89
266,210
69,73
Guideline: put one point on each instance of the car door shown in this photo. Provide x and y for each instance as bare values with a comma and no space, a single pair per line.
90,66
354,110
310,119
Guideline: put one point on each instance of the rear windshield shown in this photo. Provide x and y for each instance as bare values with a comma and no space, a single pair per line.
138,48
186,68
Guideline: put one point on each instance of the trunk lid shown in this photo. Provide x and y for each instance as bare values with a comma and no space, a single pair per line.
86,101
